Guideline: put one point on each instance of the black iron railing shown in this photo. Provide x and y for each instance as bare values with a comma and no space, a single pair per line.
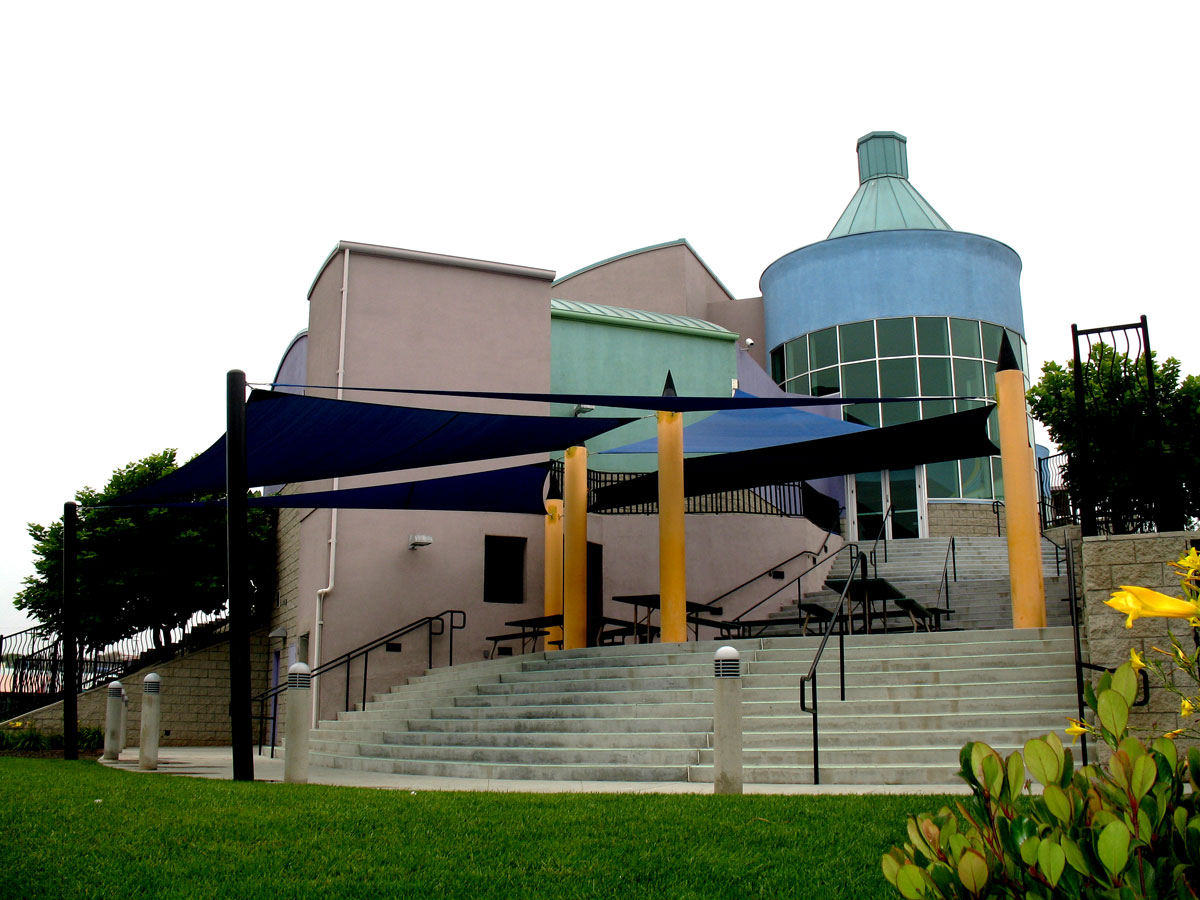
949,565
434,625
609,493
1080,665
768,572
809,680
32,670
1055,503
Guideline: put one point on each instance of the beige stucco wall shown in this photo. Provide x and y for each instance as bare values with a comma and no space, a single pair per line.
668,279
1110,561
195,698
421,325
745,318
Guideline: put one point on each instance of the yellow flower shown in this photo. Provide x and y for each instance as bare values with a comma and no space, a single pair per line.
1125,602
1189,562
1138,602
1077,728
1171,735
1136,661
1186,708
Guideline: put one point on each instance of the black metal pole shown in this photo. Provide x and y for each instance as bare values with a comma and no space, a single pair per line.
1079,460
241,730
70,638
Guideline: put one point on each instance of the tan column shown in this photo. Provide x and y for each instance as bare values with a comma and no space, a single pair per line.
575,548
554,570
1020,496
672,548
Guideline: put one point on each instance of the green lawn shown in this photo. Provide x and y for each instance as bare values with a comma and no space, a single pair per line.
80,830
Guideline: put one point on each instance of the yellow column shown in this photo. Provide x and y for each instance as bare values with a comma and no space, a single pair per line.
672,549
1020,496
554,570
575,549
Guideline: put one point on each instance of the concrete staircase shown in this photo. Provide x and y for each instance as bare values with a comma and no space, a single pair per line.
644,712
981,597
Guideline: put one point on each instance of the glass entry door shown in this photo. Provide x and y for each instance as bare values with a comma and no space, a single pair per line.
871,493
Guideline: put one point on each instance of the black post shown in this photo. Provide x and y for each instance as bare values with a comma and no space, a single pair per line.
1079,460
241,730
70,637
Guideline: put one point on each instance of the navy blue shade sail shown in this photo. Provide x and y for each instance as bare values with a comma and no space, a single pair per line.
293,438
734,430
516,489
960,435
641,401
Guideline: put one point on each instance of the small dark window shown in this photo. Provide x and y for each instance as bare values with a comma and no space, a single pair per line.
503,569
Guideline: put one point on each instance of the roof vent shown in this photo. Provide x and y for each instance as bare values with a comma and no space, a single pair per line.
882,153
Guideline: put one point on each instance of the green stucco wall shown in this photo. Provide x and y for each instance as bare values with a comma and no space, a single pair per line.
593,355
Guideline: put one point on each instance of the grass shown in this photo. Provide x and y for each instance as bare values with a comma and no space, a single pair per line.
81,830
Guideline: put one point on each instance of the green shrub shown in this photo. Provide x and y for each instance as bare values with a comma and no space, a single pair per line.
91,738
1125,831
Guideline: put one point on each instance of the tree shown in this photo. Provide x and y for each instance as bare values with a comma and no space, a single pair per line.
143,568
1136,459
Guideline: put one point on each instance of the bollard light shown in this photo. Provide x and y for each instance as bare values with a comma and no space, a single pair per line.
727,663
151,716
112,721
295,748
727,721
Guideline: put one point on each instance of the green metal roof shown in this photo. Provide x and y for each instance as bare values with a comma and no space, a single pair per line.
638,318
885,201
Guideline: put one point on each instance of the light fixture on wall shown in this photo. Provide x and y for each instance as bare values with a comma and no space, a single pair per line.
582,409
419,540
749,342
280,632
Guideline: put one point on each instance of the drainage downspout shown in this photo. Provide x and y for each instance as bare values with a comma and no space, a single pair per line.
333,520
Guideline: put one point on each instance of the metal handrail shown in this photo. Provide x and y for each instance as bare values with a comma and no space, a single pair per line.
817,563
882,536
1058,549
838,621
436,625
951,557
996,507
768,571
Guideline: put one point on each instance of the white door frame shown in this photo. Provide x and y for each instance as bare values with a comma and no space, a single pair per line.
886,486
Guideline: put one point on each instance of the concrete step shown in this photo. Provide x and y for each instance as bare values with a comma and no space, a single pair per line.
644,712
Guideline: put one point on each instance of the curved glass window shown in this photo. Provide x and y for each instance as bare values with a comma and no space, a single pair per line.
923,357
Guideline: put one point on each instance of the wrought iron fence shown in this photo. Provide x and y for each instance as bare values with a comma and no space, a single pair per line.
31,661
794,498
1054,494
1115,394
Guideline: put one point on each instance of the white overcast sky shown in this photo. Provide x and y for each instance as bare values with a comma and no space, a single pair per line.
175,174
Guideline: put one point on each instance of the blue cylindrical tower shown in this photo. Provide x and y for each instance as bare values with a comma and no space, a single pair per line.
896,303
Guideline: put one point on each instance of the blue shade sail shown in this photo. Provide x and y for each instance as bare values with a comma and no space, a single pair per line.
292,438
517,489
750,429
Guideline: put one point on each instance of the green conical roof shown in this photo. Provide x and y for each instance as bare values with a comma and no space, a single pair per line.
885,201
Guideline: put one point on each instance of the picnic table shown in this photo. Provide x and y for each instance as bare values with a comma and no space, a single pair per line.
530,630
651,602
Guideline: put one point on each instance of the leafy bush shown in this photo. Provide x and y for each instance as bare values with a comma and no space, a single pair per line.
1125,831
91,738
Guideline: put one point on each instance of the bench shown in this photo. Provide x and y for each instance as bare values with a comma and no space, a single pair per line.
523,636
611,629
916,610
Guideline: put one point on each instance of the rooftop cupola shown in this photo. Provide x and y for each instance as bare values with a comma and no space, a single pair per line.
882,153
885,201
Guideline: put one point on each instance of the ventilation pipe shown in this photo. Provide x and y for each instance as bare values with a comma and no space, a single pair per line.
319,622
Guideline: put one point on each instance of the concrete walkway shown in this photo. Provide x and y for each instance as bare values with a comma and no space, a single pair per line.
217,762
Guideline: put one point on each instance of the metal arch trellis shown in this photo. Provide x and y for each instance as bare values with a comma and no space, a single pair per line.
1101,510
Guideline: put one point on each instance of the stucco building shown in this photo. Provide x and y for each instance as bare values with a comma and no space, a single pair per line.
892,303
